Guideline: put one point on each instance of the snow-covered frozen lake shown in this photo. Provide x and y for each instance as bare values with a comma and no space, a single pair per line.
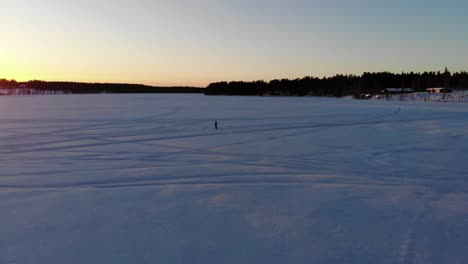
147,179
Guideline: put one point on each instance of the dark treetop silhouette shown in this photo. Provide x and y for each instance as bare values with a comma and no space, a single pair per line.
87,88
342,85
338,85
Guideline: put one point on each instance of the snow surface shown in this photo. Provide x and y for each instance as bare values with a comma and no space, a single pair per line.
147,179
457,96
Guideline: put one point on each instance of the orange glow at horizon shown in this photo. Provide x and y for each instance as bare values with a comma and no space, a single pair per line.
186,43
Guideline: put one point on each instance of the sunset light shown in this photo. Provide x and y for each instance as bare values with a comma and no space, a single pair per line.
233,131
187,43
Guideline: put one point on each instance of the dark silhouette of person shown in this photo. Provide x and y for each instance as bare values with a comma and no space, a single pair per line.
216,125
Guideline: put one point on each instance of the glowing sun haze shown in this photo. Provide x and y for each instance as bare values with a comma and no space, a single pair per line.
174,42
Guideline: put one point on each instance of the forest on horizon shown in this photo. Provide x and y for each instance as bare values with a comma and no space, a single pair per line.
92,88
338,85
343,85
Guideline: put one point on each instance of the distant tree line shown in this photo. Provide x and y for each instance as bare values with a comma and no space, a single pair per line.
4,83
90,88
338,85
343,85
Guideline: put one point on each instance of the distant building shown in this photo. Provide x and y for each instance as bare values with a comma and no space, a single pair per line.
364,96
397,90
439,90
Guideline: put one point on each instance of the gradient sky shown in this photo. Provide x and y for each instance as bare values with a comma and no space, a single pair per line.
175,42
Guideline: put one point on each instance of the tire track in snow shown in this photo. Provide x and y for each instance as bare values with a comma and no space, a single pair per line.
377,119
242,131
408,250
266,178
194,183
407,247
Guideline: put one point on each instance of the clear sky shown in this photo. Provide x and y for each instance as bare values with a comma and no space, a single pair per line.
175,42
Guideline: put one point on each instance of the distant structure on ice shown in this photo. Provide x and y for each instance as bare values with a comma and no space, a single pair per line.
439,90
397,90
25,90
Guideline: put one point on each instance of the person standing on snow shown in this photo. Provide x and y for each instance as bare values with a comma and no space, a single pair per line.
216,125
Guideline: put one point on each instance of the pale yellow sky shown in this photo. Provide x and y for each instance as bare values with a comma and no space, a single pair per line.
181,42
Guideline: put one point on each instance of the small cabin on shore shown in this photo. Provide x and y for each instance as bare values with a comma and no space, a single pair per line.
439,90
397,90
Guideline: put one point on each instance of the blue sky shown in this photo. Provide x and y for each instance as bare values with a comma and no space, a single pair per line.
196,42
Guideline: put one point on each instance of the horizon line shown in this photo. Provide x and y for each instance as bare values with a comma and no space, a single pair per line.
250,80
